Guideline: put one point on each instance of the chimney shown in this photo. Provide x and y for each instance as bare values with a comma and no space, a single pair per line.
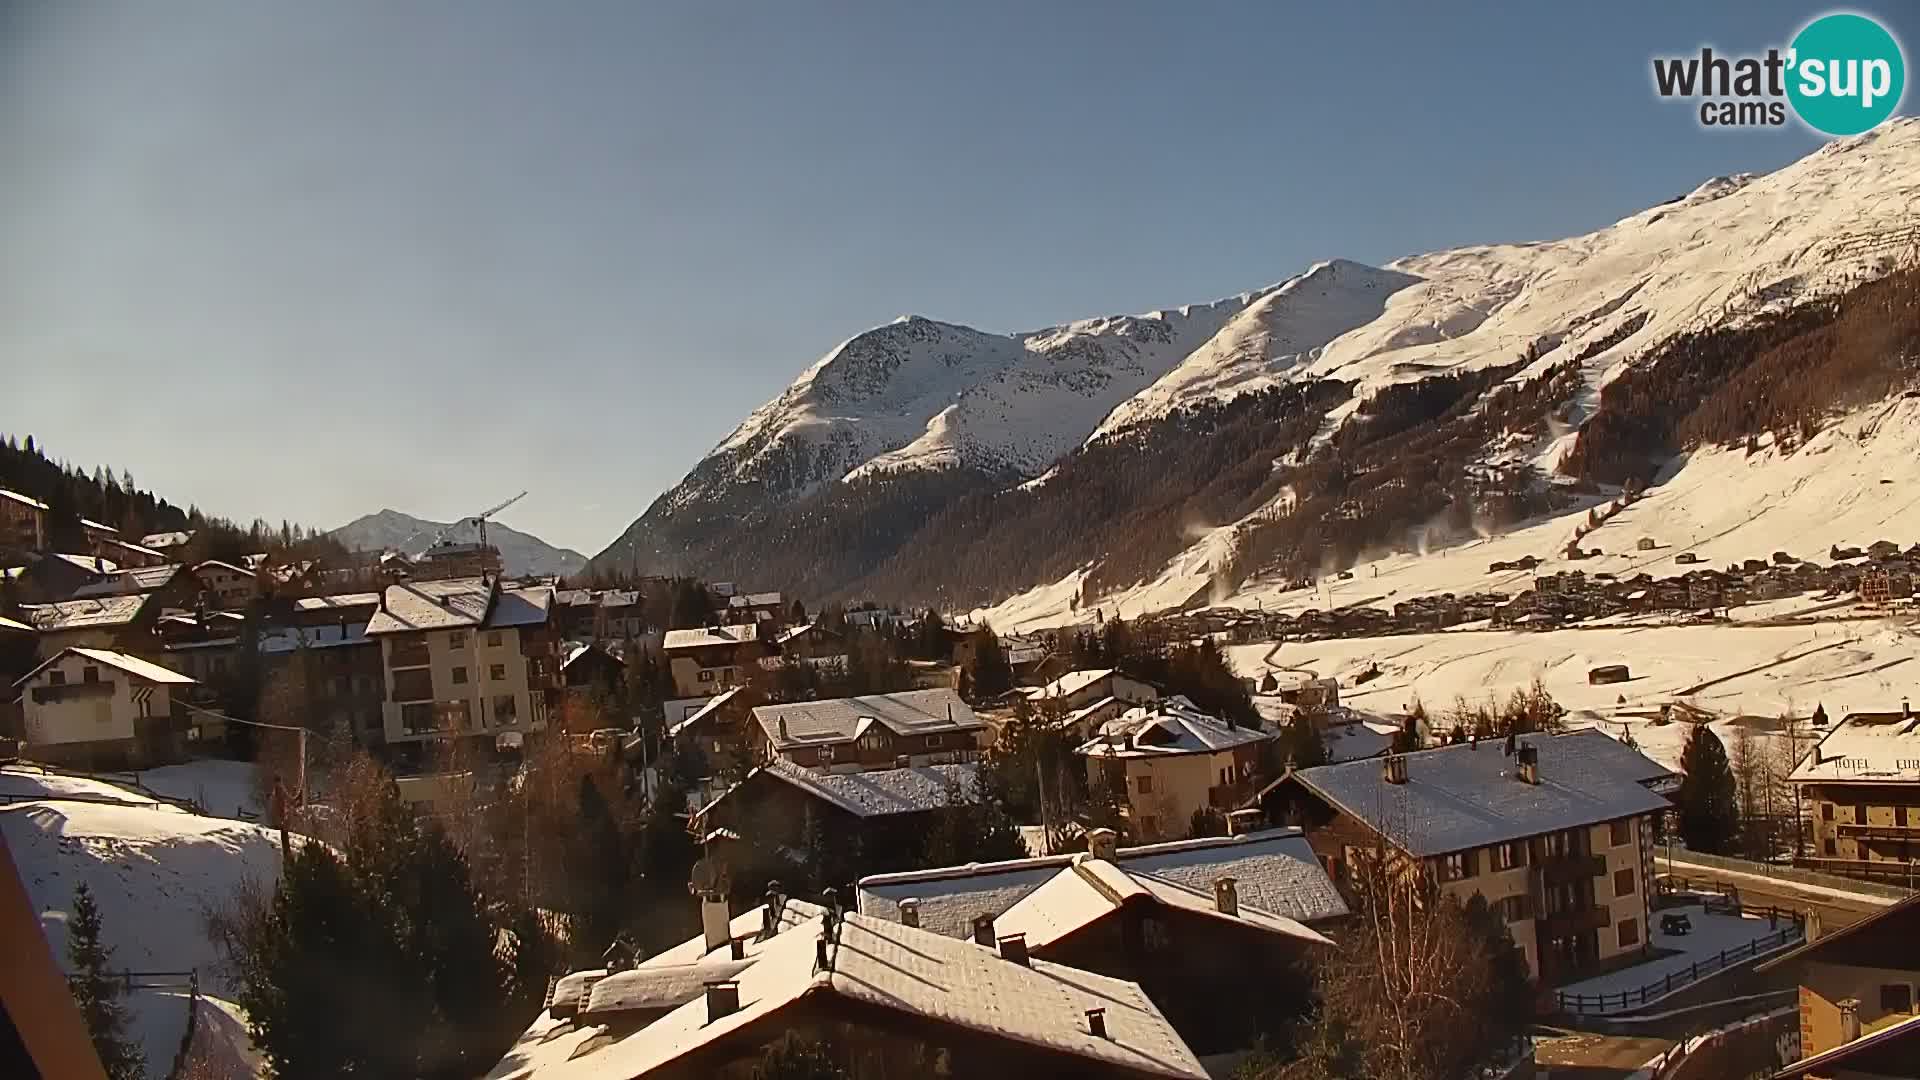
739,950
1529,758
1242,822
715,920
1097,1023
910,911
1849,1019
1103,844
983,930
1226,896
783,728
723,999
1393,768
1013,947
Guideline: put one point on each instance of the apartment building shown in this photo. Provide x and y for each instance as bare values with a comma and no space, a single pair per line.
1555,831
1861,783
23,521
99,709
465,657
225,585
1172,759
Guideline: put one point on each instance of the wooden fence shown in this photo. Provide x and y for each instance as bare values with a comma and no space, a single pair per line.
1650,992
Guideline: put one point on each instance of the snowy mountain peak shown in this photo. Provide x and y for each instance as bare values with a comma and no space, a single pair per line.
521,554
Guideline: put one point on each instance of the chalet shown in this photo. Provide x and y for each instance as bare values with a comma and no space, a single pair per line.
754,607
1556,835
23,521
718,730
587,669
124,553
172,586
465,657
122,623
225,585
1307,690
899,1000
1172,760
98,709
926,727
707,660
1275,870
813,643
1222,969
1076,690
1883,549
334,609
1859,997
779,805
1861,782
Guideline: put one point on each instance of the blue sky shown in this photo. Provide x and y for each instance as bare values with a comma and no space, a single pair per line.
309,260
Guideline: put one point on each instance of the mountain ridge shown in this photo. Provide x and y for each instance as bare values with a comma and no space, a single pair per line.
521,554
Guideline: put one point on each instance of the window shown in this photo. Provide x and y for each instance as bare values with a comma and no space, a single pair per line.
1831,849
90,675
1826,811
1629,932
1622,832
413,684
459,676
56,677
705,675
1900,815
505,709
1623,883
1896,998
933,742
1516,908
1458,866
493,639
416,718
497,672
1859,813
457,640
1510,855
1143,784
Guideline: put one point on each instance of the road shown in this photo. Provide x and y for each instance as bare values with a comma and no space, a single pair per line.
1836,908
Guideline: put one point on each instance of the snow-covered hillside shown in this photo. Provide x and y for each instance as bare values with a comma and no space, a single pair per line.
520,553
154,871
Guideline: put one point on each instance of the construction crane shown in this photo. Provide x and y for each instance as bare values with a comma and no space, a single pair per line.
479,521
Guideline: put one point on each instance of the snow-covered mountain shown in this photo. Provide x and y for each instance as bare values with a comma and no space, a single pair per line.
521,554
919,396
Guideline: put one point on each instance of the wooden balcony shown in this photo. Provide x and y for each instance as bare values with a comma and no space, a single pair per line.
1560,869
1568,923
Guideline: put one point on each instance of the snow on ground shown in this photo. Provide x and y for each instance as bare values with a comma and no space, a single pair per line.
154,871
224,788
1712,934
1732,670
22,782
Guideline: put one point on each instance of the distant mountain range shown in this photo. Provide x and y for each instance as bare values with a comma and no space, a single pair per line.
521,554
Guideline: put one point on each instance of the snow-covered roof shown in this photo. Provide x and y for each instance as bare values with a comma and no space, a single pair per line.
701,636
102,526
1470,795
793,633
81,614
14,496
132,665
761,599
876,792
1092,889
1276,871
338,600
663,986
217,564
837,720
165,539
16,627
287,639
1071,683
745,927
92,564
458,602
521,607
881,965
1879,748
137,579
1170,727
713,704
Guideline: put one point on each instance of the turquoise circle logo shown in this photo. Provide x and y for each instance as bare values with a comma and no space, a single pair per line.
1847,74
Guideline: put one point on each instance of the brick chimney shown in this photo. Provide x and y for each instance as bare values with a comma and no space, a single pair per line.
1226,896
723,999
1103,844
1529,764
983,930
910,911
1393,768
1097,1023
1013,948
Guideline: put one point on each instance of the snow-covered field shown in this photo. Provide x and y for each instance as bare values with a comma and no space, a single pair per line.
154,870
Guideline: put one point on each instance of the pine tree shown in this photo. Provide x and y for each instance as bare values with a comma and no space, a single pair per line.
1301,743
1709,805
97,992
793,1058
992,676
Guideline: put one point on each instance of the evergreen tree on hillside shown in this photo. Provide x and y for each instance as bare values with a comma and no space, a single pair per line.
1709,806
97,992
1300,741
992,676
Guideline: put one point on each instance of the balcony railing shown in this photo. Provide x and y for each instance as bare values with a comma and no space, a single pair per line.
1893,831
1567,923
1560,869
